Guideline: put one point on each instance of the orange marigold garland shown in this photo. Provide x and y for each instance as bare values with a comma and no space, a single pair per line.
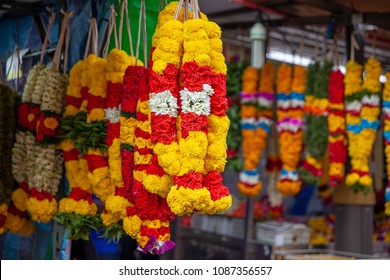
290,103
337,146
251,138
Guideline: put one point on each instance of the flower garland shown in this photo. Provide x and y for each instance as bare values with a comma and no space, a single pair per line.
97,156
290,109
386,134
44,184
120,131
78,205
316,136
218,124
164,87
251,141
23,151
337,146
189,195
148,218
362,121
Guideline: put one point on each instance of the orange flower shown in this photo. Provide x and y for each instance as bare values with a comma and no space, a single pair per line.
51,123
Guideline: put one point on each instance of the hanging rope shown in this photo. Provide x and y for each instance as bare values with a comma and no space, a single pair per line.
51,23
57,54
144,35
111,28
128,26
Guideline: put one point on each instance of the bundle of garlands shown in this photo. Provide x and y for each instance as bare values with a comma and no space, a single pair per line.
256,120
189,123
386,135
290,111
49,92
76,211
11,218
337,139
363,109
316,134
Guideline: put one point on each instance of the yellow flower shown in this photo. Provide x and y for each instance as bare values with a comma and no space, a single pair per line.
132,226
110,218
97,114
19,198
41,210
185,201
117,205
30,117
159,185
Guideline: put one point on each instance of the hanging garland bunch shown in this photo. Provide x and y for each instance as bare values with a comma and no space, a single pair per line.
337,129
120,131
362,124
78,205
317,131
251,141
290,121
44,184
386,134
189,195
218,125
164,88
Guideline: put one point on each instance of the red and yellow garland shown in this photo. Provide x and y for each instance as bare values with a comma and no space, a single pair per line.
337,145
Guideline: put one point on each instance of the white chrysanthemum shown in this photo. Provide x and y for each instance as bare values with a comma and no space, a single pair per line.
284,104
386,111
287,126
163,103
353,106
54,93
197,102
372,100
40,86
208,89
249,179
295,103
248,121
264,102
113,114
264,120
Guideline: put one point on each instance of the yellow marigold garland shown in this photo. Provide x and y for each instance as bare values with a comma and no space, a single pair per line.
362,120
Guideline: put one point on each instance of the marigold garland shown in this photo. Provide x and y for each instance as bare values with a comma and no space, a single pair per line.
316,134
386,134
290,110
218,125
148,218
362,120
251,136
337,146
78,205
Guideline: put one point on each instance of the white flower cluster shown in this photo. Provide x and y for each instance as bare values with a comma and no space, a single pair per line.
353,106
248,121
54,93
283,104
266,121
31,153
197,102
40,86
372,100
296,103
264,102
287,126
163,103
19,163
113,114
48,169
31,82
249,179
